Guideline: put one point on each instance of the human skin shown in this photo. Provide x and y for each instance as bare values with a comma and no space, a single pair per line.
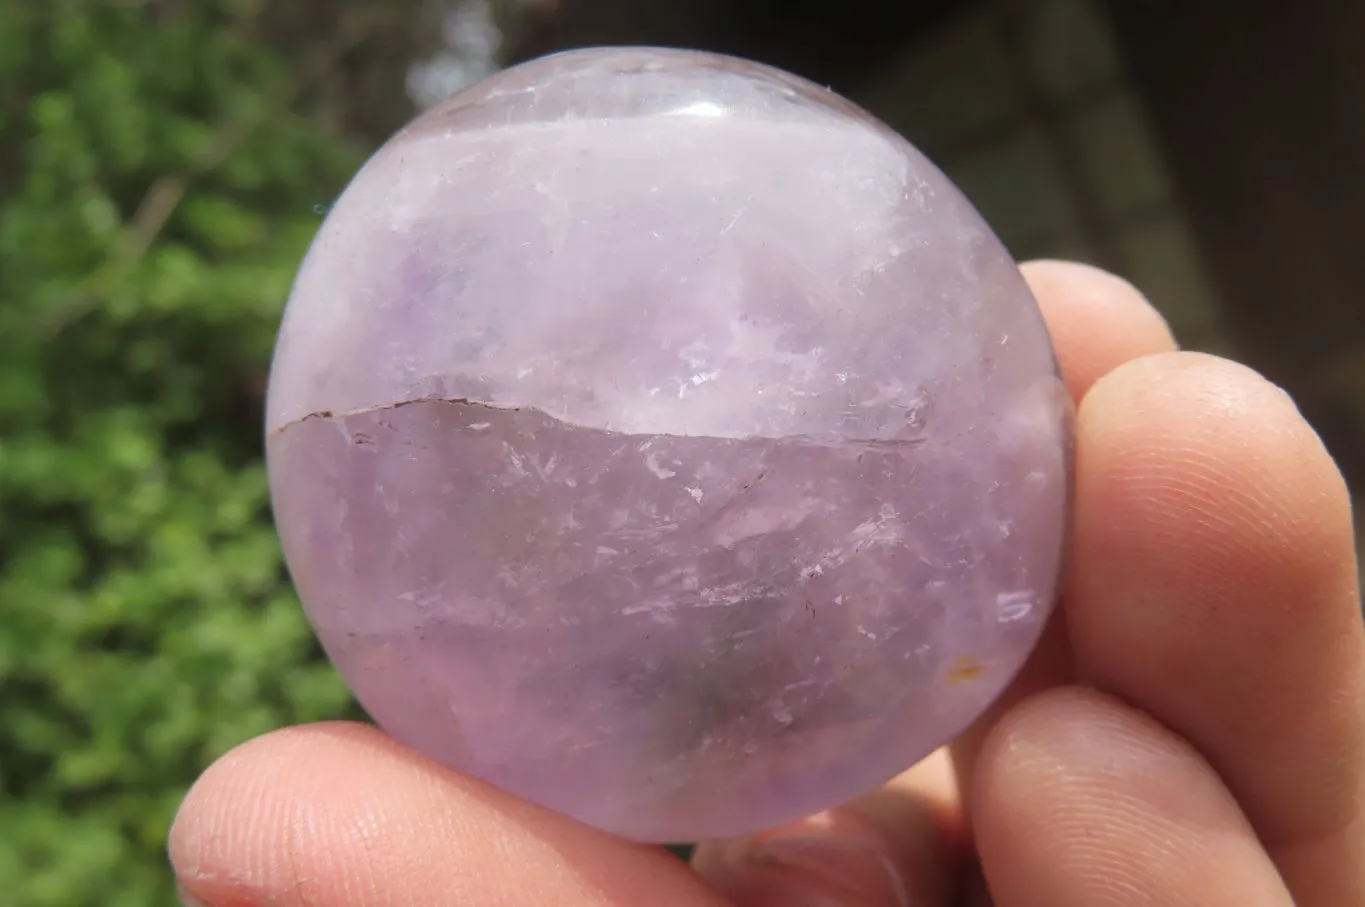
1191,730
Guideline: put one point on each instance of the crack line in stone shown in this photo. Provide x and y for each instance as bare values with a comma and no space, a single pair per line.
814,440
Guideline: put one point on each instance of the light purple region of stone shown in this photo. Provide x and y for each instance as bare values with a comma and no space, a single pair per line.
661,438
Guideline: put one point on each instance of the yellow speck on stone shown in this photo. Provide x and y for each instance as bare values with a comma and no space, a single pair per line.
965,668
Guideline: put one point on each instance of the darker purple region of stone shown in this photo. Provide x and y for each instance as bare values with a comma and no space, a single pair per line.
618,520
462,535
590,528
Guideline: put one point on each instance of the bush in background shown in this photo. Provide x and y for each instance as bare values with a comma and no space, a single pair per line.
157,189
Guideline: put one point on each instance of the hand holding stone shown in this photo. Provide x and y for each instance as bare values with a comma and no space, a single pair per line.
685,512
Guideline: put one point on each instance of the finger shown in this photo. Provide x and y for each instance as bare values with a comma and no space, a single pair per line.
1083,801
1097,322
338,815
1213,585
900,846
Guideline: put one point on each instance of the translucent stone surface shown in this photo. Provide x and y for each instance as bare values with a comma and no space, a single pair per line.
663,439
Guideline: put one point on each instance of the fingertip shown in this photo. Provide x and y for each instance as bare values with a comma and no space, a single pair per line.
235,802
1048,743
1081,800
1097,320
1213,583
1170,443
340,815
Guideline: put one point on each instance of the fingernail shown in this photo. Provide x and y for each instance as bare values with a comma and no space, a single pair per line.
845,872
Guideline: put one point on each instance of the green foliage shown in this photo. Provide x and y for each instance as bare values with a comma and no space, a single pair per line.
158,186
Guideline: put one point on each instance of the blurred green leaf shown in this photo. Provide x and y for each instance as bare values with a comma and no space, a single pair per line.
155,199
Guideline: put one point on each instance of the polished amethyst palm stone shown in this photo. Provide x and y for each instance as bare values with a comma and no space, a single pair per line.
661,438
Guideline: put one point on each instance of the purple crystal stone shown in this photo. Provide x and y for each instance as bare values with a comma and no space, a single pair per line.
661,438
